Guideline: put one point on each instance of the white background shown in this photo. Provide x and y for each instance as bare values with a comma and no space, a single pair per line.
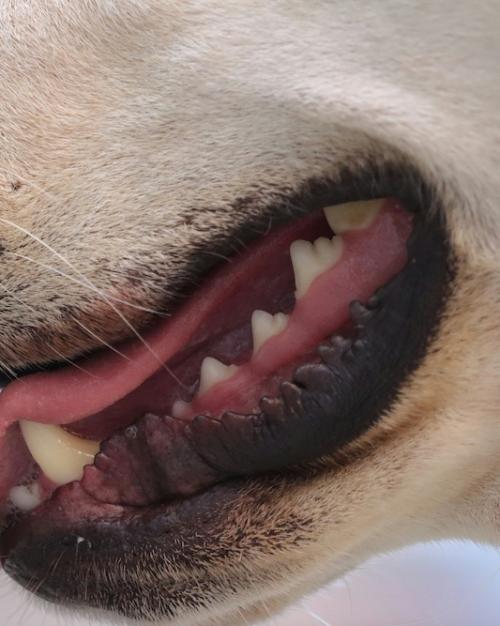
449,584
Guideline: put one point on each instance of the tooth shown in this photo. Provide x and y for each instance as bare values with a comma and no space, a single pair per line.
26,497
352,215
265,325
179,408
213,372
60,455
309,260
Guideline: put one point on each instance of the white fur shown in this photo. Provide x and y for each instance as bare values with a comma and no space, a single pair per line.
123,119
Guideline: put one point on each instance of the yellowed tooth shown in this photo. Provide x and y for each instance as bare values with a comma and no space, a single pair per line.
26,497
352,215
309,260
213,372
265,325
60,455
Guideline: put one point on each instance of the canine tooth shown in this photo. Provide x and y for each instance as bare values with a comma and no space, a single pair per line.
352,215
60,455
309,260
265,325
213,372
26,497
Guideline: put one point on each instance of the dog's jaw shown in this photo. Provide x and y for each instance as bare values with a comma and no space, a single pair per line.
240,107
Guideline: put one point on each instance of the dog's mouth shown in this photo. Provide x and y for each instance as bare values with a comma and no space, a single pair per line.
284,355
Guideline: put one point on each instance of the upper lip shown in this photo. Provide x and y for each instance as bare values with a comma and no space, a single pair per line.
394,334
119,376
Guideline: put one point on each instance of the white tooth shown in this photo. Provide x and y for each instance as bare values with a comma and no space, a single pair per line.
328,250
352,215
60,455
26,497
213,372
265,325
179,408
304,263
309,260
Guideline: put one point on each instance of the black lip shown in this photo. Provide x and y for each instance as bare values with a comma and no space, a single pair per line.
69,552
326,405
318,412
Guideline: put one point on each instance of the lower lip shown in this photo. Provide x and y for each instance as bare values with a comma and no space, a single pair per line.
64,396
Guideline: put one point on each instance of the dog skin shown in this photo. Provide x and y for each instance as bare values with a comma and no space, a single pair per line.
136,135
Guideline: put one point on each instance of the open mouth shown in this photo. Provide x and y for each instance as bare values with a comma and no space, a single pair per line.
285,354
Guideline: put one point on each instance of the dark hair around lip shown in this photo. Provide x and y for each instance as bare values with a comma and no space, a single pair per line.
325,406
401,311
374,176
317,413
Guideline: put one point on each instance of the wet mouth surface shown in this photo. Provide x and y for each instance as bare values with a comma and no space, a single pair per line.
284,355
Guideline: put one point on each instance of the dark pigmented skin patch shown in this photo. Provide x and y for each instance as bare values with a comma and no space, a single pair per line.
140,560
109,520
326,406
144,563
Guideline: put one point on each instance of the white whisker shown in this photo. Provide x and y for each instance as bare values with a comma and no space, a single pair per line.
50,268
242,615
51,348
317,617
266,609
100,339
73,364
98,291
7,369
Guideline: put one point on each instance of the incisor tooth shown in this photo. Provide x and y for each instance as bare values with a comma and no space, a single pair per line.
26,497
265,325
213,372
309,260
60,455
352,215
179,408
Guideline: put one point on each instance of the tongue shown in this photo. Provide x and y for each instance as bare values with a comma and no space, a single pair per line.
69,394
370,257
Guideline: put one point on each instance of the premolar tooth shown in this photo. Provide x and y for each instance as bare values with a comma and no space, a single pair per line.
265,325
60,455
328,250
352,215
309,260
213,372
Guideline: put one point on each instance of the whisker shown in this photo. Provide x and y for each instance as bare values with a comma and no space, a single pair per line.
7,370
51,348
266,609
100,339
54,270
103,296
73,364
317,617
242,615
217,255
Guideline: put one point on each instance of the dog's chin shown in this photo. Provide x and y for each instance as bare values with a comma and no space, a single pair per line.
177,514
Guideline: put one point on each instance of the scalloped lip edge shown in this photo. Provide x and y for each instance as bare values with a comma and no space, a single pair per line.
23,541
377,177
430,267
392,220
